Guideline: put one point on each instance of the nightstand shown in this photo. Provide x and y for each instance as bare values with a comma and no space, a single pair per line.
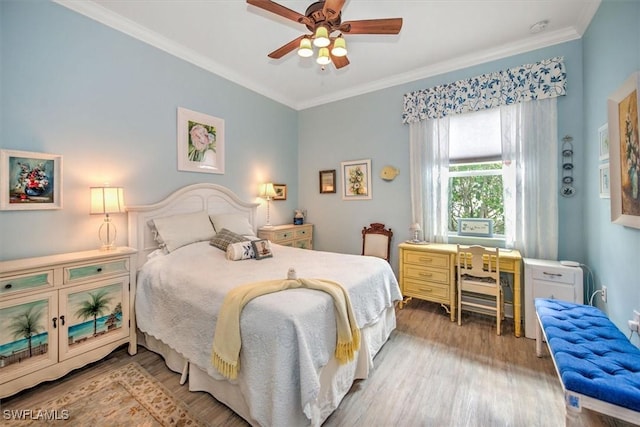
298,236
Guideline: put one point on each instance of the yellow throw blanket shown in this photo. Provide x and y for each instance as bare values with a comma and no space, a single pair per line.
227,342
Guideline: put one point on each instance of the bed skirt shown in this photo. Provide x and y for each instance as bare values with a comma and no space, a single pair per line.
335,379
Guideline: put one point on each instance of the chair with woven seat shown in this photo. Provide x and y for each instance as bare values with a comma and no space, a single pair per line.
479,277
376,241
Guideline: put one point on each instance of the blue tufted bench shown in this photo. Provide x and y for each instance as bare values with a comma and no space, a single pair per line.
598,366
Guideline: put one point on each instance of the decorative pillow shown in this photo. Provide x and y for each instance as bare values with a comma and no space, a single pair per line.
237,223
224,238
240,250
175,231
262,248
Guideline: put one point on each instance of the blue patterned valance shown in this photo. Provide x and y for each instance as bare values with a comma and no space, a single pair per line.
544,79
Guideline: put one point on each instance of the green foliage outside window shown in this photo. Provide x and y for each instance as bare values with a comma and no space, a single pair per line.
476,196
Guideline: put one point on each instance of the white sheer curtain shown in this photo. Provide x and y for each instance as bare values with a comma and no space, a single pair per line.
530,156
429,168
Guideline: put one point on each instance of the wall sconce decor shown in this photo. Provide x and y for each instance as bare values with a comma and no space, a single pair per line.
105,201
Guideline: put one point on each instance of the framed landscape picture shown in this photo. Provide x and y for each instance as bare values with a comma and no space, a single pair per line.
200,142
30,181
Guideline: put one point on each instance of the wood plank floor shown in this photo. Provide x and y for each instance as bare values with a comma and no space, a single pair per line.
431,372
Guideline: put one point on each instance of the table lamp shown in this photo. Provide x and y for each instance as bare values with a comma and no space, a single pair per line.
267,192
107,200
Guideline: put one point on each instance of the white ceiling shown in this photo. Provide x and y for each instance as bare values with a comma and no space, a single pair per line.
232,39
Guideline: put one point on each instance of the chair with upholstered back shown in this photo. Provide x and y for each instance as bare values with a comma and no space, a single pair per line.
376,241
479,277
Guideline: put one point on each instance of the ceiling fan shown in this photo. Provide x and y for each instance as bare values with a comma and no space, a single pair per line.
323,18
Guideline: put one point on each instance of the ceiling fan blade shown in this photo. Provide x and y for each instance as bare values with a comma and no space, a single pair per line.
282,51
339,61
278,9
332,8
372,26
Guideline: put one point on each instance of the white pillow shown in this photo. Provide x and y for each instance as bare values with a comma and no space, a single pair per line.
240,250
237,223
183,229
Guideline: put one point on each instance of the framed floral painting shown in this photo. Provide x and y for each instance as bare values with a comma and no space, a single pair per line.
200,142
624,153
30,181
356,180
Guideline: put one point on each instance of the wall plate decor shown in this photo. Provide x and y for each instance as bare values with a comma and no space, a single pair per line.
200,142
30,181
624,153
356,180
389,173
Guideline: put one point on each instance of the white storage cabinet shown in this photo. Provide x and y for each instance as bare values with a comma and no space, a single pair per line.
549,279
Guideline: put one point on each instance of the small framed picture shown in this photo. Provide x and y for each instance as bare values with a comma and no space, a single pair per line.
281,191
328,181
479,227
262,248
30,181
356,180
200,142
605,181
603,138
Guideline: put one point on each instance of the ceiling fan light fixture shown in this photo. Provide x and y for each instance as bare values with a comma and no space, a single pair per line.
305,49
339,47
323,56
321,37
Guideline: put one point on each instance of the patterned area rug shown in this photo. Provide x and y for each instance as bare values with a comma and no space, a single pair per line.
127,396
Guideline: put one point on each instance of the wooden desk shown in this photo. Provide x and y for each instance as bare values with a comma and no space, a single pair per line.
428,272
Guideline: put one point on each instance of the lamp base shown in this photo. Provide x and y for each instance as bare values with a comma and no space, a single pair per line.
107,235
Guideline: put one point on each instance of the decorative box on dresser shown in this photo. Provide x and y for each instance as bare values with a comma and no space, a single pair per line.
299,236
61,312
427,272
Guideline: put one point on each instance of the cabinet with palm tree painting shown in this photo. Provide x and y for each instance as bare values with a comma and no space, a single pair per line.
60,312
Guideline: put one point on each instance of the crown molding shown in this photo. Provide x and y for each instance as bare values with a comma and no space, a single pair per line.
126,26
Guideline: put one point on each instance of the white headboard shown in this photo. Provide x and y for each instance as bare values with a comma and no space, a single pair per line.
215,199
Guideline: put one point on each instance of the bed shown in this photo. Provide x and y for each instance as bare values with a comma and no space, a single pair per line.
288,373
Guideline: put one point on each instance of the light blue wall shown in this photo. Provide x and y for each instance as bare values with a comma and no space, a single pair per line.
611,54
107,103
369,127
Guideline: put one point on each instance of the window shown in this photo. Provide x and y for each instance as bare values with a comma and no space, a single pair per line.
475,169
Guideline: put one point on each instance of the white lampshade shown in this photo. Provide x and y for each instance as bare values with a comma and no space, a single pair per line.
321,37
106,200
339,47
323,56
415,227
267,191
305,49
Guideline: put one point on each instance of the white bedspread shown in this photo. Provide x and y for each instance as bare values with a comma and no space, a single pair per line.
287,337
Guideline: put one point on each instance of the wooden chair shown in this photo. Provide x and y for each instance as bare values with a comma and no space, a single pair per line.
479,276
376,241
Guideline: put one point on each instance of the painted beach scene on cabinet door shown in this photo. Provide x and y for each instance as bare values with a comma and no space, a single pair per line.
91,315
25,341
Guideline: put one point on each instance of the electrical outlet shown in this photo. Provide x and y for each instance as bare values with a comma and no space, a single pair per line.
604,294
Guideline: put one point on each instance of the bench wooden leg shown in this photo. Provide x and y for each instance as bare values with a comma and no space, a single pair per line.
538,339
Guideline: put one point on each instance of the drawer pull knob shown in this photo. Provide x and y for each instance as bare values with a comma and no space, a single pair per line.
8,286
99,269
54,322
62,320
425,259
426,274
552,274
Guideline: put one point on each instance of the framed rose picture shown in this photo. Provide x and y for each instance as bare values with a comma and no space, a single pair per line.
356,180
200,142
30,181
605,181
624,153
603,139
